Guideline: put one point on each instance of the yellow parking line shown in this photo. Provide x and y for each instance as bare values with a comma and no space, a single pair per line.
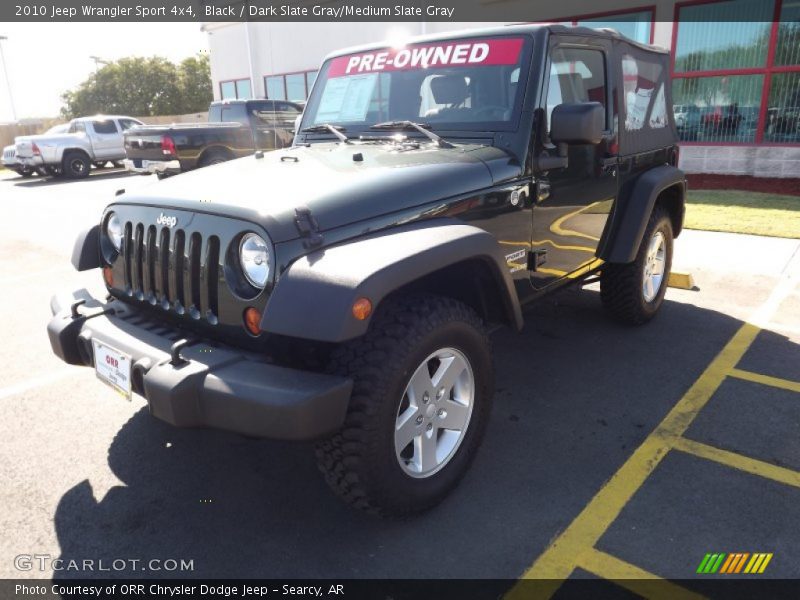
568,550
784,384
739,461
631,577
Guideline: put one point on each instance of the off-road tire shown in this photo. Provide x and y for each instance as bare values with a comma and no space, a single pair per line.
75,165
359,462
621,284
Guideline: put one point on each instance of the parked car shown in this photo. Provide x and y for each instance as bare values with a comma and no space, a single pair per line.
235,128
10,154
343,290
688,120
88,140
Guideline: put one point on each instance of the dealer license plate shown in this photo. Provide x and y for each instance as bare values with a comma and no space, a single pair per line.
113,367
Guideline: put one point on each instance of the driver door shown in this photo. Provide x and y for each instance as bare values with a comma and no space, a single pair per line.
568,223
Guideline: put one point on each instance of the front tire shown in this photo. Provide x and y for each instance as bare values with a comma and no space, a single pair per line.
632,293
421,400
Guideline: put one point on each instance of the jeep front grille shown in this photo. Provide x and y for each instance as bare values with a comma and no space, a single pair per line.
175,269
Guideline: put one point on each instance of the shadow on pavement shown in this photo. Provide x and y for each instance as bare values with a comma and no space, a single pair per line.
576,394
37,182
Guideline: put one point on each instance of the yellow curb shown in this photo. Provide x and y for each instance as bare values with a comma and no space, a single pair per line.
683,281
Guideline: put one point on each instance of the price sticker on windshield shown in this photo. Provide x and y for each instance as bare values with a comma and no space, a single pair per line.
457,53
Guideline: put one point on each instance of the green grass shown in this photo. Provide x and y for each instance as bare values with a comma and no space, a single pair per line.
743,212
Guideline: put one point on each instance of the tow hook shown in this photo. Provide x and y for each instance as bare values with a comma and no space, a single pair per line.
175,352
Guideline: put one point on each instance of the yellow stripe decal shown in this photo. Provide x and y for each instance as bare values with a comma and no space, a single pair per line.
752,562
764,564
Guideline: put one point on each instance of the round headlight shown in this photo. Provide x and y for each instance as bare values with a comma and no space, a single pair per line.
254,258
114,231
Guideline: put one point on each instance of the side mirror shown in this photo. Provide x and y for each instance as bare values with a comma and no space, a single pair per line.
578,123
572,123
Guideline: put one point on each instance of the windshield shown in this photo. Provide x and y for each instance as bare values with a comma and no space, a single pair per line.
469,84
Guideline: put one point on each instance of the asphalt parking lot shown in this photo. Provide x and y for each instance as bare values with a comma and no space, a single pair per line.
612,452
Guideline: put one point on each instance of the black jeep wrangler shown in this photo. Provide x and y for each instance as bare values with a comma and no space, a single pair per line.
342,289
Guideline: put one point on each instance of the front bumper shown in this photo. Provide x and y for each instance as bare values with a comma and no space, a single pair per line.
148,167
202,385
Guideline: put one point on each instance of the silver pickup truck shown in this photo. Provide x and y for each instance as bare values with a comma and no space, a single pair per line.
88,140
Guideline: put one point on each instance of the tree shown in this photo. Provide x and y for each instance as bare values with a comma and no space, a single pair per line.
195,84
142,87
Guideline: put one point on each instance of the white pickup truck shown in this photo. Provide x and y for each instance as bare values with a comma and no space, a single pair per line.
88,140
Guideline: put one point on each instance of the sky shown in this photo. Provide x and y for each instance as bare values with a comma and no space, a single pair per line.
46,59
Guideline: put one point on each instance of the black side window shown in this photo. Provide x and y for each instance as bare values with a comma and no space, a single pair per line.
104,126
77,127
644,94
576,75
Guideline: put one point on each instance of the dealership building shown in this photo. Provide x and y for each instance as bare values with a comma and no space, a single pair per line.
735,68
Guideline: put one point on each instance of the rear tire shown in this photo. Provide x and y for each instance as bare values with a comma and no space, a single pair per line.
214,157
632,293
76,165
401,451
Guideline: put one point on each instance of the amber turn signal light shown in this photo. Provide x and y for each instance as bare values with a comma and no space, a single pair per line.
108,276
252,320
362,309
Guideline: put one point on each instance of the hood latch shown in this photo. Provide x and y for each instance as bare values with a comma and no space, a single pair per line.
307,226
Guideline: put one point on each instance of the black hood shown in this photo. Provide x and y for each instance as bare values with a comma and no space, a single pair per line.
329,179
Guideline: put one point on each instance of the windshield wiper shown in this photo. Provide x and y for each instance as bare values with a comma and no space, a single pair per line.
335,130
421,127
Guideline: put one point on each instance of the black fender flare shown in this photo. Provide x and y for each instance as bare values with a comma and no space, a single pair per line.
636,209
313,298
86,250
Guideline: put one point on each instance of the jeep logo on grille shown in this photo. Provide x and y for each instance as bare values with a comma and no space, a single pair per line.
165,220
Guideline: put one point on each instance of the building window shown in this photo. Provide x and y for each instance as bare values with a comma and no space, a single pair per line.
296,87
736,75
293,87
311,77
238,88
276,89
783,109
